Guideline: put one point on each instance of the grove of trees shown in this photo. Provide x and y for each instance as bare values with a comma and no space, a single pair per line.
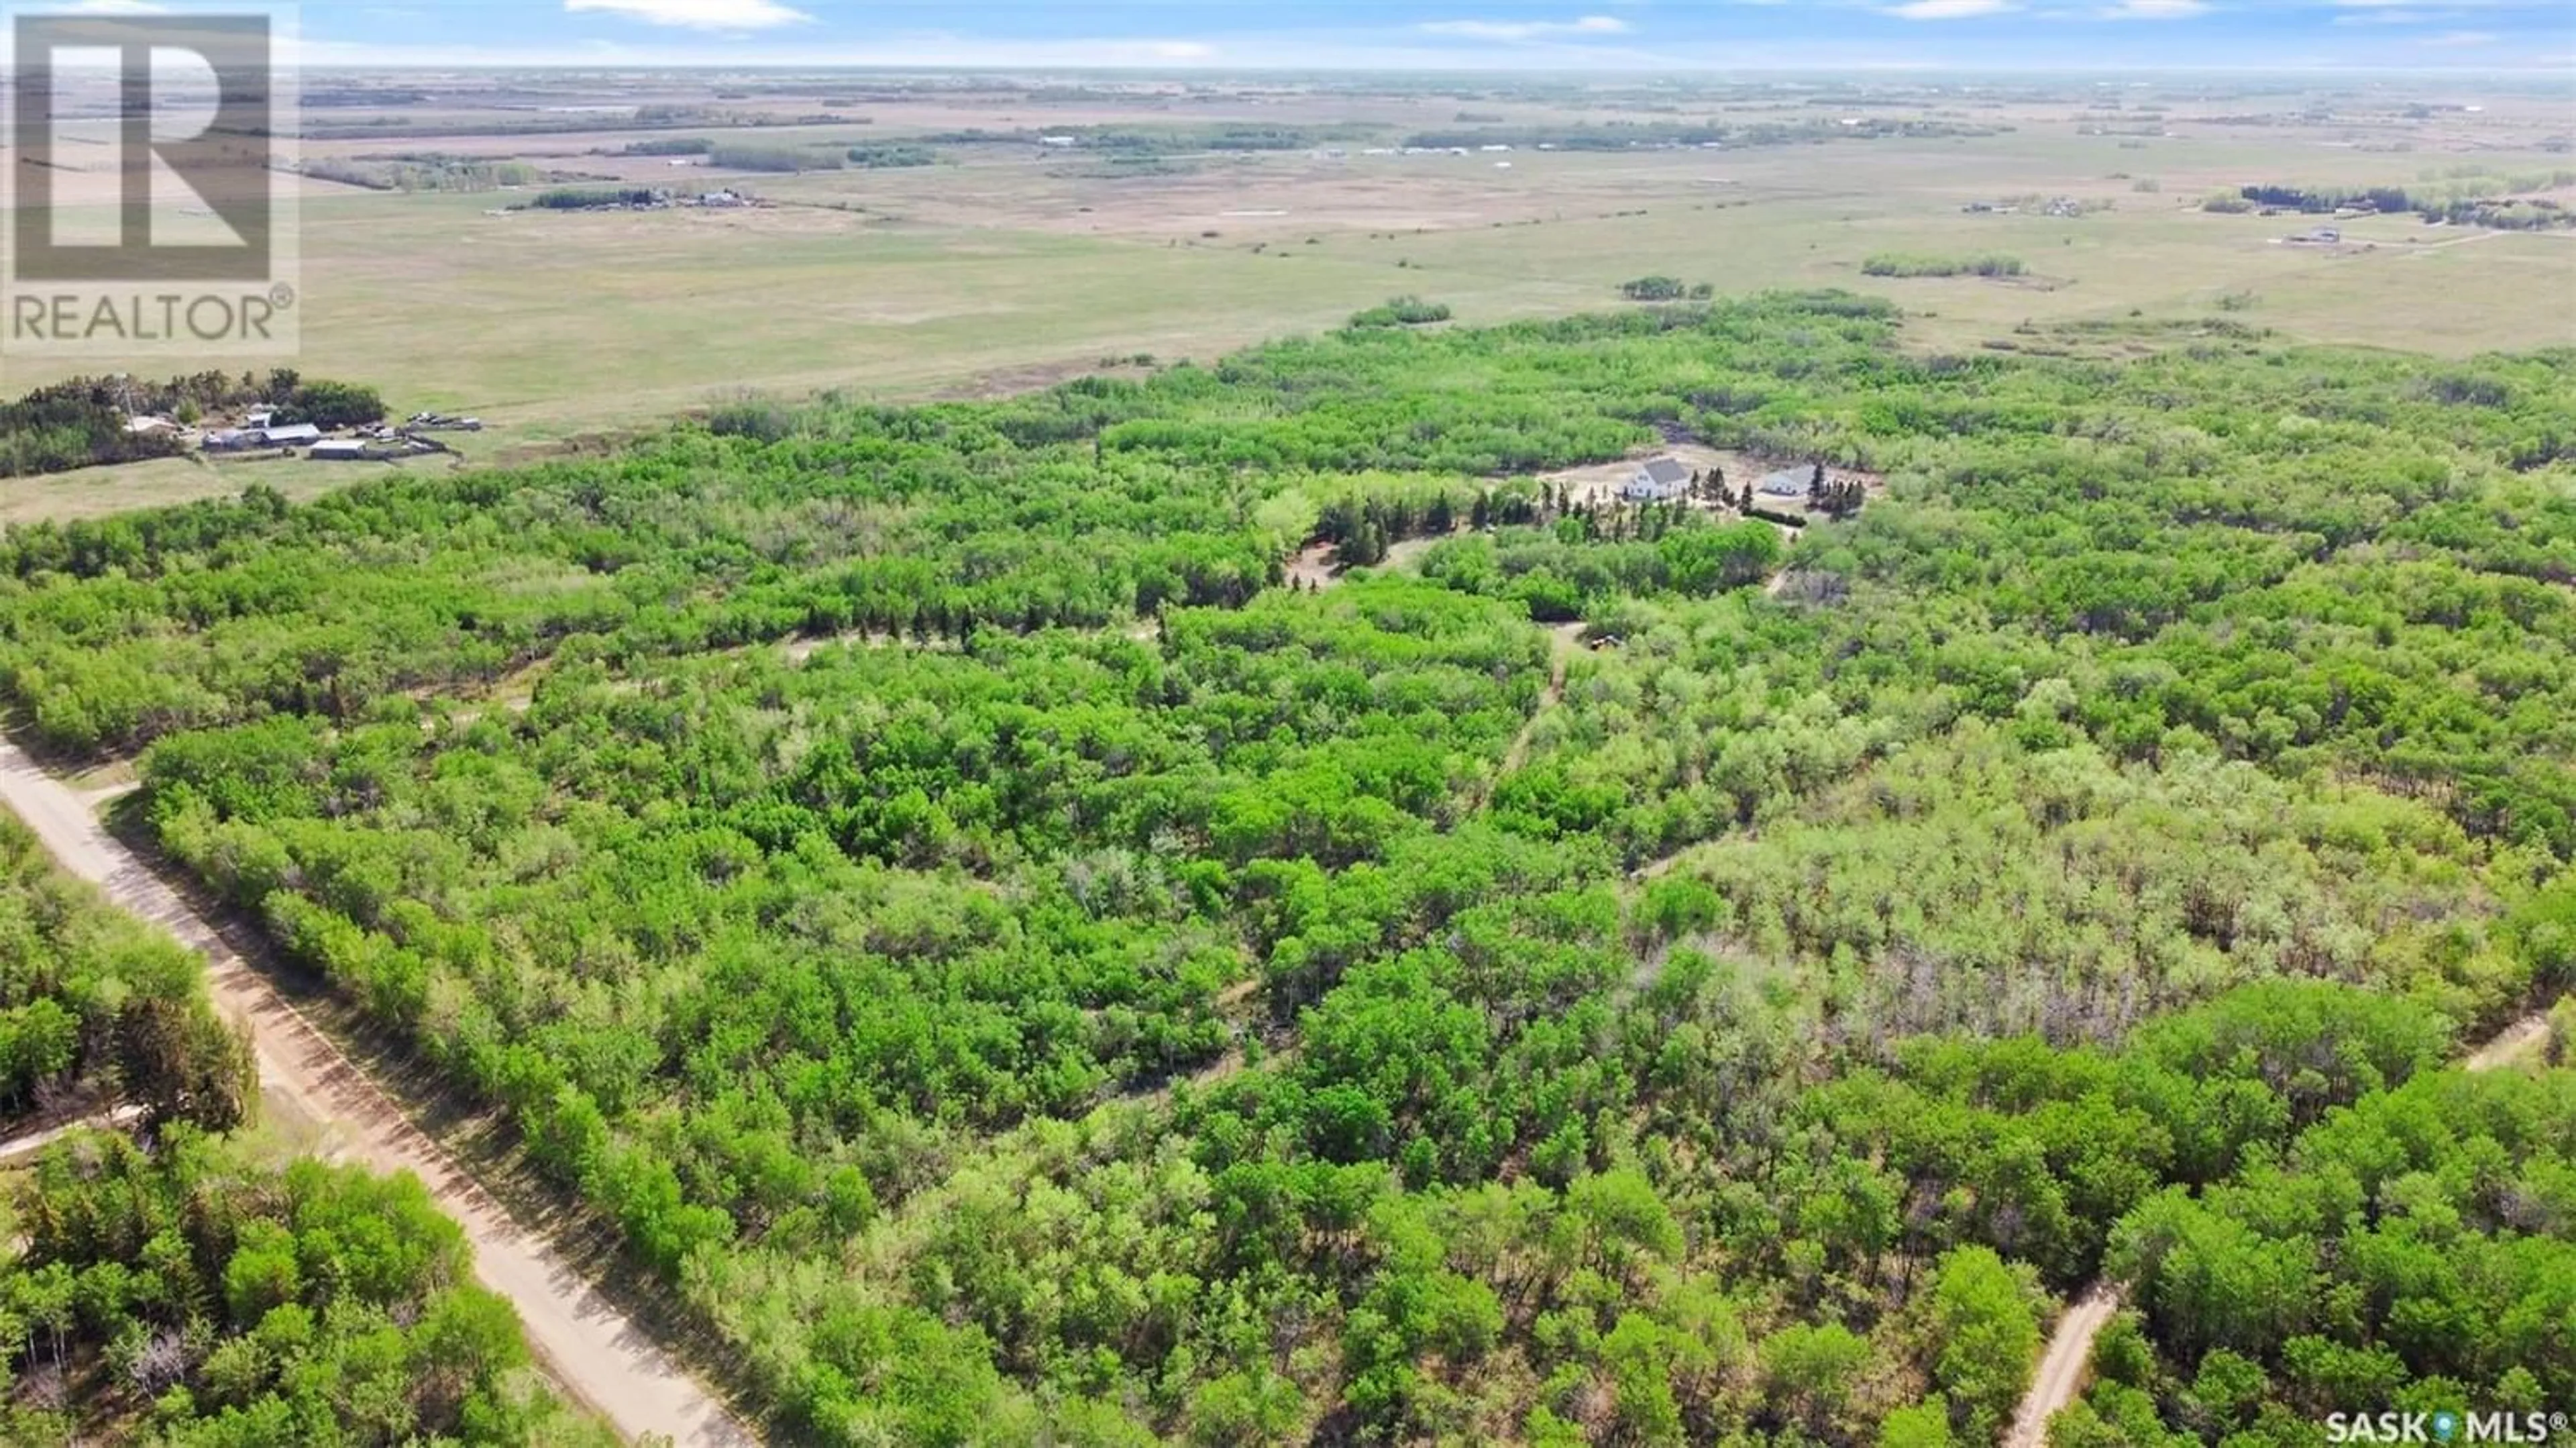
1902,264
195,1293
2467,198
1404,311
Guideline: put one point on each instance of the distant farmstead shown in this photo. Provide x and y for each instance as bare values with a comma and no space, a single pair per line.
1659,481
234,439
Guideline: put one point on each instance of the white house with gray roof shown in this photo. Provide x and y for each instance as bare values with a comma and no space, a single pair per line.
1660,481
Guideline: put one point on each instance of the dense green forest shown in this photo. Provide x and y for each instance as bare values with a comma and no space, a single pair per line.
96,1006
197,1293
1021,969
193,1288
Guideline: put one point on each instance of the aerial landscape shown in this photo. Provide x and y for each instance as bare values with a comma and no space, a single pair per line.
1652,724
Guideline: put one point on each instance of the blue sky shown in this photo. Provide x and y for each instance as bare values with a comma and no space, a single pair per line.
1453,34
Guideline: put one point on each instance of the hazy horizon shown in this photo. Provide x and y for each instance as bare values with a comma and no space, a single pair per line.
2525,37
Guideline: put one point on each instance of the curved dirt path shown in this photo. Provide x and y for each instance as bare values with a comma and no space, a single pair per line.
1565,640
600,1356
18,1148
2061,1368
2514,1043
2070,1347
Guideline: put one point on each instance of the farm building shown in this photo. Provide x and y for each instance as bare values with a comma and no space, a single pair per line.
1659,481
1786,483
339,449
234,439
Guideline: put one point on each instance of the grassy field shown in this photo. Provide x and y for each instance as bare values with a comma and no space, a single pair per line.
1007,266
98,492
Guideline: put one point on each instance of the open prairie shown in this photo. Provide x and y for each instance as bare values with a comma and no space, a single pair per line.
1186,219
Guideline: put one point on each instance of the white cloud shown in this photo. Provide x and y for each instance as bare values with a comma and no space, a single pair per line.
1949,9
2412,12
1179,49
697,14
2462,39
2156,10
109,7
1526,29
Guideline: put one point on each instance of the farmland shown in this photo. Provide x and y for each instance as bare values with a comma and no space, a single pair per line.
1007,263
951,277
